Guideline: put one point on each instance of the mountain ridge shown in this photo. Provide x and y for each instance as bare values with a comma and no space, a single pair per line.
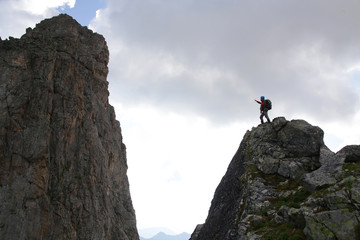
284,183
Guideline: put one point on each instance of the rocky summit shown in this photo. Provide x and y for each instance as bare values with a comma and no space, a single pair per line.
284,183
63,167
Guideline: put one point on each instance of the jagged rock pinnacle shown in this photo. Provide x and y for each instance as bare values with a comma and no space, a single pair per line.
284,182
63,163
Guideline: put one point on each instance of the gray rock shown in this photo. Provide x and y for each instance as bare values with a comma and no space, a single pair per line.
355,194
301,139
327,174
339,224
296,217
63,162
291,168
265,182
268,165
289,148
350,153
338,200
284,214
279,123
326,156
195,234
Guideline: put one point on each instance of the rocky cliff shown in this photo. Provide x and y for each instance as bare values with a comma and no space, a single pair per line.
284,183
62,160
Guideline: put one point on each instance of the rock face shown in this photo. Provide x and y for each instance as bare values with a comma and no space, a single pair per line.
62,160
284,183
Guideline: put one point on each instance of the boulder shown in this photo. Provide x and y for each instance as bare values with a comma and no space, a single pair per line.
350,153
301,139
329,172
339,224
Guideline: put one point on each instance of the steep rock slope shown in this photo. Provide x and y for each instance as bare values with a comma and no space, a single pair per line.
284,183
62,160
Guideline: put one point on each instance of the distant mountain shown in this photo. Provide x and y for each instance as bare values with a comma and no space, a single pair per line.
151,232
164,236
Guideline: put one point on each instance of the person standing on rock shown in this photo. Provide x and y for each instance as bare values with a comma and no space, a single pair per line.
265,106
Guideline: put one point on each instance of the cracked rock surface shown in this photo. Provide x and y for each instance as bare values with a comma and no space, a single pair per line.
62,159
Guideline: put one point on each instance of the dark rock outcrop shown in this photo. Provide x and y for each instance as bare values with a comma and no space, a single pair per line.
283,183
62,160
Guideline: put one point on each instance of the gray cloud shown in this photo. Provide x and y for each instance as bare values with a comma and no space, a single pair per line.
213,57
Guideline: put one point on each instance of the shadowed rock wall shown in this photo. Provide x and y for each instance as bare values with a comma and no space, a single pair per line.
62,160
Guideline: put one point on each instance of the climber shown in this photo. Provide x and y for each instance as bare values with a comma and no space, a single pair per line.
264,108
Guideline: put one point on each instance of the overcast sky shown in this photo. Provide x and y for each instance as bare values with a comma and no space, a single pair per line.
184,75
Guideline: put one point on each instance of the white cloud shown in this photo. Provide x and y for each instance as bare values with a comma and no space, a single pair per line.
17,15
175,163
355,67
39,7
